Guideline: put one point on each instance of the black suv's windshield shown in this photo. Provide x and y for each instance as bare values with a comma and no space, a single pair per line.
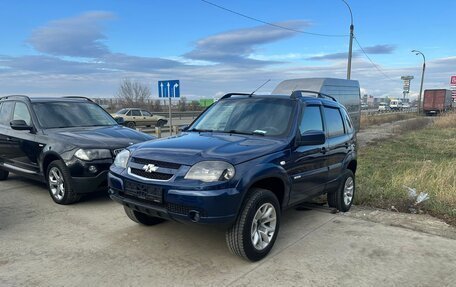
71,114
261,116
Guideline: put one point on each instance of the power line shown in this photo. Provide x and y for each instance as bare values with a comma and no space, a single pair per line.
370,60
272,24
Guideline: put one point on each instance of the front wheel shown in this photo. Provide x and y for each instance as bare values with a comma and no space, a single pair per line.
59,183
142,218
131,125
255,231
342,199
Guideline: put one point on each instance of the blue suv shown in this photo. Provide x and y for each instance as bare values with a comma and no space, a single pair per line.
240,164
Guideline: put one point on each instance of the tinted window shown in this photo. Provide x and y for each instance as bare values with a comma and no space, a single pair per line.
21,112
311,119
71,114
334,122
135,113
5,113
146,113
129,113
264,116
347,121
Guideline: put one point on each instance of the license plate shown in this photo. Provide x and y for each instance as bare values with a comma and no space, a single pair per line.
144,191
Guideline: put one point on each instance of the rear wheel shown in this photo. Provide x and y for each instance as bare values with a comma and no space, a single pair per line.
4,174
142,218
161,123
131,125
255,231
59,183
342,199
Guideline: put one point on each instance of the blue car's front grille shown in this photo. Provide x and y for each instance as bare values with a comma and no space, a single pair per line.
151,175
163,164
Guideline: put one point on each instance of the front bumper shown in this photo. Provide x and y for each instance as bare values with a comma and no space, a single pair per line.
90,184
200,206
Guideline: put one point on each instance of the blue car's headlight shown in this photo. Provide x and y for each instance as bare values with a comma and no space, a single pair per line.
210,171
121,159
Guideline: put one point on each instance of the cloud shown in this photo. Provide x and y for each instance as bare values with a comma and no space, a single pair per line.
380,49
234,47
377,49
79,36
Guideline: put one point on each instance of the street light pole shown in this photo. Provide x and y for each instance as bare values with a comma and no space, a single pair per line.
350,46
422,78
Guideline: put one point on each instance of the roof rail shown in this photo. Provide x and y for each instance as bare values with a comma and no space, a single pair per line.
78,97
234,94
19,96
297,94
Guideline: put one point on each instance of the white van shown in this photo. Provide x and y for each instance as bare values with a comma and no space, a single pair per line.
344,91
396,105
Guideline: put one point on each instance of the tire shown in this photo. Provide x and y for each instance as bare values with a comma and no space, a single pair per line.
142,218
4,174
131,125
60,183
340,199
161,123
240,238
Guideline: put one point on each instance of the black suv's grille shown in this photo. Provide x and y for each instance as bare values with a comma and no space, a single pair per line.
151,175
163,164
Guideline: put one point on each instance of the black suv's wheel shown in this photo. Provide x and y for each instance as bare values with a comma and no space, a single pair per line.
256,228
3,174
59,183
131,125
142,218
342,199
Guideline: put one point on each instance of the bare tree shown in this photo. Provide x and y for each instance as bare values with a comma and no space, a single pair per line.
133,93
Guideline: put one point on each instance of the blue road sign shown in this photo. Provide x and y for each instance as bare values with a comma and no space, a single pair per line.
169,89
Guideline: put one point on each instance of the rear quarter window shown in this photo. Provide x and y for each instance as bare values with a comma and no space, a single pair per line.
334,122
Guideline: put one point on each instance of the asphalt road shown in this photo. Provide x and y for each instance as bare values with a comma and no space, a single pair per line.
93,243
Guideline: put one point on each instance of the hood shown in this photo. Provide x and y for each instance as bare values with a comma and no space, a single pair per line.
100,137
190,148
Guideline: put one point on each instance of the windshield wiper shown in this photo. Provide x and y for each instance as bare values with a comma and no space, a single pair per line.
243,133
200,130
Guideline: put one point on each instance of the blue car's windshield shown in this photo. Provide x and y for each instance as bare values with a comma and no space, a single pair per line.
261,116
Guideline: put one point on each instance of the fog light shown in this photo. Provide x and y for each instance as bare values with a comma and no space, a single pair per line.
93,169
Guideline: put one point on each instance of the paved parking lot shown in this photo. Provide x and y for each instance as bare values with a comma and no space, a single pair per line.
93,243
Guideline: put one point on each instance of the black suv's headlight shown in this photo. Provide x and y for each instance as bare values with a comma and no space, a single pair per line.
210,171
121,159
91,154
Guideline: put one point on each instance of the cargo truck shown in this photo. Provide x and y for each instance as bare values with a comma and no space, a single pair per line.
436,101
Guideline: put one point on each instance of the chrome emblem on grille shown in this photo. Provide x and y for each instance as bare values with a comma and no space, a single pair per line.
150,168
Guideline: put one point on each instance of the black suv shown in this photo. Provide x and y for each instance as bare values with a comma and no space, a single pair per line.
67,142
240,163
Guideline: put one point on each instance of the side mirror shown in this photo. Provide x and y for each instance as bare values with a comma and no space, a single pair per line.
120,120
312,138
20,125
184,128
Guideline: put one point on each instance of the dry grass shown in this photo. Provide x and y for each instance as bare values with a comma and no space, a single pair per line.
446,121
378,119
424,159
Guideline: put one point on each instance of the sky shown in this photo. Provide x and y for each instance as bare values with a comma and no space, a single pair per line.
86,48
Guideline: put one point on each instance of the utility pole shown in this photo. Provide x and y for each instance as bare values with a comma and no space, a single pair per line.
350,46
422,79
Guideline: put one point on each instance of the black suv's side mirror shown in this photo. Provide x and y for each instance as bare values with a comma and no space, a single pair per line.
312,138
20,125
120,120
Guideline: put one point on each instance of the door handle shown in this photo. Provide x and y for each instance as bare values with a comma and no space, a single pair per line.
323,150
